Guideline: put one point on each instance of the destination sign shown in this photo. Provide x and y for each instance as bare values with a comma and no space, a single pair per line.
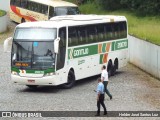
19,64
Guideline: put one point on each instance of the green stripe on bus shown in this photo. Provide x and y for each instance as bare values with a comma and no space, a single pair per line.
101,59
49,70
82,51
104,47
15,69
34,71
123,44
113,46
93,49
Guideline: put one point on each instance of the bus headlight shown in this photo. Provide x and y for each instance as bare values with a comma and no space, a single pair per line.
14,73
49,74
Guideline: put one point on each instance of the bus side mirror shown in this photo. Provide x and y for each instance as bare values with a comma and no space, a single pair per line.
6,44
56,45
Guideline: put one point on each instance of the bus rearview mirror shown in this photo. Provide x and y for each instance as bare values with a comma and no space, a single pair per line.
56,45
6,44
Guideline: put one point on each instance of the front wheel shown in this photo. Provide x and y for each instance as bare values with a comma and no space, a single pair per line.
71,80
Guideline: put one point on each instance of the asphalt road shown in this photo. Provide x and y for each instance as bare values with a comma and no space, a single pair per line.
132,90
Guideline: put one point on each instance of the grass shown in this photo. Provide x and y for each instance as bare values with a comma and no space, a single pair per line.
2,13
146,28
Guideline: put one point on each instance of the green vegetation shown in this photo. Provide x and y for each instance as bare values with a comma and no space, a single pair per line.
2,13
144,27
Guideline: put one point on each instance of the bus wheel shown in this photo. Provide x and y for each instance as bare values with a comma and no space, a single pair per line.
23,20
71,80
32,86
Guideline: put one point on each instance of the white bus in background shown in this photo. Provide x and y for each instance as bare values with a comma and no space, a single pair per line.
67,48
36,10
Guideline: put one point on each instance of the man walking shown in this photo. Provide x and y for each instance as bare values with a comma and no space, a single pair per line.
104,78
100,97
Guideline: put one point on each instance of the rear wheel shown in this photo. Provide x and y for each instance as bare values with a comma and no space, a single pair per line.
71,80
113,71
32,86
23,20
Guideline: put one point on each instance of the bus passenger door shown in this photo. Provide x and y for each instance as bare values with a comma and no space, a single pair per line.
60,66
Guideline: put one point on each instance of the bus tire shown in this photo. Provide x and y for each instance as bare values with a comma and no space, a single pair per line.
23,20
71,80
32,86
113,70
109,68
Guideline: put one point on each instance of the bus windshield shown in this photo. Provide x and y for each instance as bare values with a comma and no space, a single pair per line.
36,53
59,11
33,55
35,34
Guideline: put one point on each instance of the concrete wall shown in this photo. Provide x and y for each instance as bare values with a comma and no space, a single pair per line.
3,23
4,5
145,55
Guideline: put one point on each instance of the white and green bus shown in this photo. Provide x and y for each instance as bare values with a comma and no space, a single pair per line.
67,48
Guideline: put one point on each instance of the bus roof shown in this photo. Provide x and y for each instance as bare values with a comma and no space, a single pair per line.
88,18
73,20
55,3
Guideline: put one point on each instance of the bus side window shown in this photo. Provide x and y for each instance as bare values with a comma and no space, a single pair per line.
62,48
101,32
13,2
81,35
44,9
17,3
51,12
116,30
30,5
108,31
72,36
123,30
24,3
91,32
39,7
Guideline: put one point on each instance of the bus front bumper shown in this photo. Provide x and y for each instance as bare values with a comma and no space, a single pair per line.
48,80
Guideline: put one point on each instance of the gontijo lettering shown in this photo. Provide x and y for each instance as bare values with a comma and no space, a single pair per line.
81,52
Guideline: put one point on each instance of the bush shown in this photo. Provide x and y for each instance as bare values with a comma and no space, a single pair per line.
141,7
109,4
2,13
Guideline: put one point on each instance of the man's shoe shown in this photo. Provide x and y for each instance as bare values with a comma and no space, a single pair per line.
105,113
97,115
111,98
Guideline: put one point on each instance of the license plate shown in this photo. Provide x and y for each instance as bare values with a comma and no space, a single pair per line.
31,81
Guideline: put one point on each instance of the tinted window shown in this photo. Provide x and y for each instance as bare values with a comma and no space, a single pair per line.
62,48
82,35
37,7
92,33
66,11
24,3
51,12
101,32
72,36
79,35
